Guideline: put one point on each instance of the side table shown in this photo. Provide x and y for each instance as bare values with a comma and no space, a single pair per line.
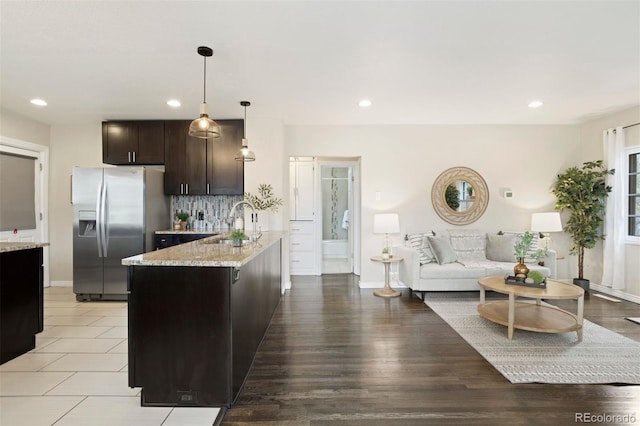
387,291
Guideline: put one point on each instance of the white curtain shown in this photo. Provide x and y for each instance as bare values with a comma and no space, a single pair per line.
615,220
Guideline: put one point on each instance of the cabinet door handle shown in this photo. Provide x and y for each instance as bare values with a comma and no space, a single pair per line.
295,244
181,188
207,189
134,156
129,156
186,185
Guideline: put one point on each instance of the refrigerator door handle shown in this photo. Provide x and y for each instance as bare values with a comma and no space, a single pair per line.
105,238
99,220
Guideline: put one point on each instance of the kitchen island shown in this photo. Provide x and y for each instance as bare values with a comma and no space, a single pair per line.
21,297
197,313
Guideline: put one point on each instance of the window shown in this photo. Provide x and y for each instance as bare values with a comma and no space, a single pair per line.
633,228
17,190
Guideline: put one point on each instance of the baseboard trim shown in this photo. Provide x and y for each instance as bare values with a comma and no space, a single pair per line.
616,293
61,284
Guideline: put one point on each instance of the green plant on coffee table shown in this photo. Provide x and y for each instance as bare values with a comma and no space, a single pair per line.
182,216
536,276
523,246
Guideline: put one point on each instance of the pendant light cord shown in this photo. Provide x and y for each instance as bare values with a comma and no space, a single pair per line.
244,125
204,97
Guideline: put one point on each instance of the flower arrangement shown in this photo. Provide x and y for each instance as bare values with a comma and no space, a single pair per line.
265,200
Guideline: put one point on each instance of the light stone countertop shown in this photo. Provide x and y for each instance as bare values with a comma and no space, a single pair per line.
15,246
206,252
193,231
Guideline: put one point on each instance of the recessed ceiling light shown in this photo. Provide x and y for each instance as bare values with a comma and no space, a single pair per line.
535,104
39,102
364,103
173,103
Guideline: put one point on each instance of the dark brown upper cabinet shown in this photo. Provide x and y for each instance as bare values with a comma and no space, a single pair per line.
133,142
203,166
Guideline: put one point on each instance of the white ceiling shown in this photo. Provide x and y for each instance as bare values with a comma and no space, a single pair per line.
310,62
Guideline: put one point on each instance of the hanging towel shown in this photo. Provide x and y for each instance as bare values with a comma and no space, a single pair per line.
345,220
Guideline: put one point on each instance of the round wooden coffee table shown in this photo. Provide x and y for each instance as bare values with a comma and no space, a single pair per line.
530,316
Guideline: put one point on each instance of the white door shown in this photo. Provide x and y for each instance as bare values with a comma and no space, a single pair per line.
23,176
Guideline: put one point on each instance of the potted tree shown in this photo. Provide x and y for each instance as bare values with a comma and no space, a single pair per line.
583,192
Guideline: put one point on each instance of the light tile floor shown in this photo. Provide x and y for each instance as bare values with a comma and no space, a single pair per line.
77,374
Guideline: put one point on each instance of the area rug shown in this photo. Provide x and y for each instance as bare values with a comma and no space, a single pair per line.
603,357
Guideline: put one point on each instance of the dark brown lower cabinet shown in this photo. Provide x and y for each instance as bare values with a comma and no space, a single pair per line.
194,331
21,301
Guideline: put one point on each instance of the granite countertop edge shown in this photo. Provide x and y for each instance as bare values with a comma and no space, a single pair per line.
206,253
9,246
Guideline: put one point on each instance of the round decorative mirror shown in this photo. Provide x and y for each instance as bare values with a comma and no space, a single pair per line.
460,195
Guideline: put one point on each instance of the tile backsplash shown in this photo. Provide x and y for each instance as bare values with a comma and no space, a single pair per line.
214,209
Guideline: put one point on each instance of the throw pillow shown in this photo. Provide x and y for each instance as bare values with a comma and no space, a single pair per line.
442,249
469,245
420,243
500,248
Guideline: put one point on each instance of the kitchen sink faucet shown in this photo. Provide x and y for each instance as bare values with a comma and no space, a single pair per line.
255,235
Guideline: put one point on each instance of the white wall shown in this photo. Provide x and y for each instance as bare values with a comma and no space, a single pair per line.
402,162
70,146
26,129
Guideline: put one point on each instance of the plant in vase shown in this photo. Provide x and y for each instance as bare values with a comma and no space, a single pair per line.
264,200
237,237
522,250
385,253
182,217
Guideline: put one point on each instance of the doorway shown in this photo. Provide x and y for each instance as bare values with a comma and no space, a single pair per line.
338,216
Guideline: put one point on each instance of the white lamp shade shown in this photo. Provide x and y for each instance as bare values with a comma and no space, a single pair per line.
386,223
546,222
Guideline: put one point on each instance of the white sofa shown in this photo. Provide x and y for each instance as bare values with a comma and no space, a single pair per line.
453,260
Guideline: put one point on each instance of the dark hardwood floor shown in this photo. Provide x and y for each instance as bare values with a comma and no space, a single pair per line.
337,355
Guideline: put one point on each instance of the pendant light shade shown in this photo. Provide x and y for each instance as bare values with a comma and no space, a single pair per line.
203,127
245,154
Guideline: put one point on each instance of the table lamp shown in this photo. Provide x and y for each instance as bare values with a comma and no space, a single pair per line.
386,223
546,222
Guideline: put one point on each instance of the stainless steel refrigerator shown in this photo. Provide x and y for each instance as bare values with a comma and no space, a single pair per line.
116,211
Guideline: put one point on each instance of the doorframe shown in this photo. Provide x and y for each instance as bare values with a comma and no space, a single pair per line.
41,153
354,163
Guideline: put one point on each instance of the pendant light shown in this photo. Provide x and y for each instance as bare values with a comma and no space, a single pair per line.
245,154
203,127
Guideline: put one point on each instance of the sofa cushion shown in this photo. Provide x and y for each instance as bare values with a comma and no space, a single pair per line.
420,243
441,248
469,245
452,271
500,247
